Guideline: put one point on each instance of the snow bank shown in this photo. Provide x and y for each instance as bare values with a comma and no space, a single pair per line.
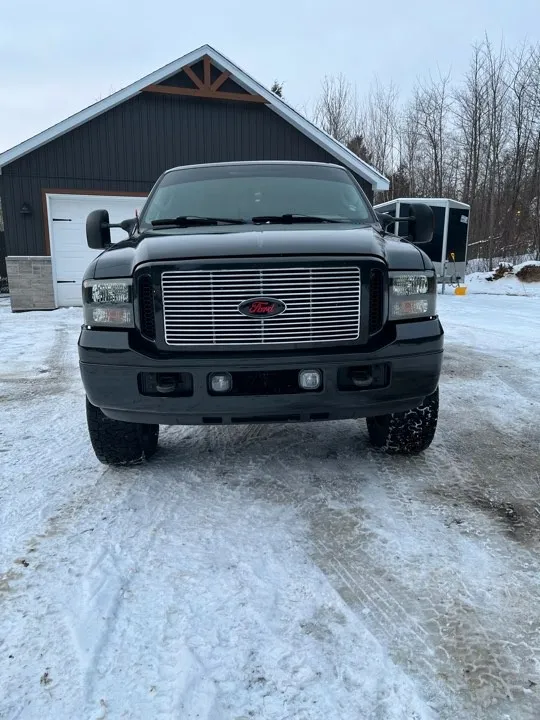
506,280
482,264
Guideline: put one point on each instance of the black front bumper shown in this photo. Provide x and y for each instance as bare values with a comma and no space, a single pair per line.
110,371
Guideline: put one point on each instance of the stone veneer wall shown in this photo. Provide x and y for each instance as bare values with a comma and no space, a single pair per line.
30,283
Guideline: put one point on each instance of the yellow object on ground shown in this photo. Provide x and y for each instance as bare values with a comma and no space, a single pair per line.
462,290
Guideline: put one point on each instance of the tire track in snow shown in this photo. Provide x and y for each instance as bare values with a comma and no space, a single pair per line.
205,617
92,616
442,636
468,633
92,606
185,689
52,376
105,610
119,643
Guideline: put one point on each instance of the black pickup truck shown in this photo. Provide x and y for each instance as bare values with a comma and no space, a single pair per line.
256,292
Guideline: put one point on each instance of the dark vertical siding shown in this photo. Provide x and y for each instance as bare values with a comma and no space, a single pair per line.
3,270
127,148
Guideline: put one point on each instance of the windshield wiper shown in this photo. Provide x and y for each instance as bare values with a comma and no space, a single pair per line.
295,218
196,220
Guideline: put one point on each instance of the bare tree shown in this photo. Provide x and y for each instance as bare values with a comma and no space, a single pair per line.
377,122
432,105
470,117
409,149
497,128
336,108
532,193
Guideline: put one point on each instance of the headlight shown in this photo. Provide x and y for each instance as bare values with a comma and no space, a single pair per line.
108,303
412,295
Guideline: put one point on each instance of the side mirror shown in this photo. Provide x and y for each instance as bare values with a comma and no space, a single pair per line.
421,224
385,219
129,225
98,228
98,231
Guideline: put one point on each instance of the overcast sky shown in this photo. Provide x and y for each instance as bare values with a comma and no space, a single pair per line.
57,57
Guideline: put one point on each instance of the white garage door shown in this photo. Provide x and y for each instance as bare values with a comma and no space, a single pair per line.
67,228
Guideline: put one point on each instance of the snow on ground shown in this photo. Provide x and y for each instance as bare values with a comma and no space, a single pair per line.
480,282
280,571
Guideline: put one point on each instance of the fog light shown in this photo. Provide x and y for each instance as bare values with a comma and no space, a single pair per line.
220,382
309,379
165,383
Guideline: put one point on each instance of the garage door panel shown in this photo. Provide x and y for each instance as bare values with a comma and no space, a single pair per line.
71,255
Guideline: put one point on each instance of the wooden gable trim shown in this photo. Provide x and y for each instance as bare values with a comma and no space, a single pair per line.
220,80
204,93
207,74
205,88
194,78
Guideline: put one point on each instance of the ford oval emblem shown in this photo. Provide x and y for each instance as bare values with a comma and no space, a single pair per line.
262,307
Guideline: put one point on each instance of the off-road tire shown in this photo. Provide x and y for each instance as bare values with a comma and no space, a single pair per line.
406,433
120,443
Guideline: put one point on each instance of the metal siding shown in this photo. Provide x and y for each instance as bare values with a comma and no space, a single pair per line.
365,185
3,270
127,148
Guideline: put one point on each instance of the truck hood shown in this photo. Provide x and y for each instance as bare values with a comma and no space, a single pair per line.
227,241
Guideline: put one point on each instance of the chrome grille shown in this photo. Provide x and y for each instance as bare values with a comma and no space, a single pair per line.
201,306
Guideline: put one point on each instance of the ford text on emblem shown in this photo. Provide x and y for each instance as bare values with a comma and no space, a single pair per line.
262,307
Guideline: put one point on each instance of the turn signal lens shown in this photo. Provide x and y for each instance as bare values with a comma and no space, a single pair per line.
123,317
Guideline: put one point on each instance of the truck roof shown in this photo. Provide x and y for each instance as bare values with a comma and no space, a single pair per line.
255,162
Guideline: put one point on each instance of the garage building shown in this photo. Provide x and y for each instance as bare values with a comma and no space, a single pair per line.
199,108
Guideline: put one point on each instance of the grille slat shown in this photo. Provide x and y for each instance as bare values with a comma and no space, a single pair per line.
326,292
240,323
376,301
191,310
247,275
201,306
146,307
244,340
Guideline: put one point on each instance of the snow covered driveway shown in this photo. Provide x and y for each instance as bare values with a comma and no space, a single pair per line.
303,577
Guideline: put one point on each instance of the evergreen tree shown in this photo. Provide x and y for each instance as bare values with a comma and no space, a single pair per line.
277,88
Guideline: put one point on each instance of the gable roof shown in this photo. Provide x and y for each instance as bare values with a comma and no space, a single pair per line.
279,106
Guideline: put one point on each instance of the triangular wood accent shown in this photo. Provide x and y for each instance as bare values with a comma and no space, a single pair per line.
193,77
220,80
204,87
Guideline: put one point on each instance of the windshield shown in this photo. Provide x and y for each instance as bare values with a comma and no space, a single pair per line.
248,191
